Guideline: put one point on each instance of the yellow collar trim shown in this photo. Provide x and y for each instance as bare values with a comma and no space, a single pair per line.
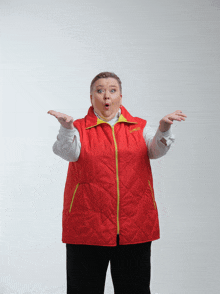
121,119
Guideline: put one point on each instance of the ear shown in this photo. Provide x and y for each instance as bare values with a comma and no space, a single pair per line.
91,98
121,99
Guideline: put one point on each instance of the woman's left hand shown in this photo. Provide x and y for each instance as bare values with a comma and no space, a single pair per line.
167,121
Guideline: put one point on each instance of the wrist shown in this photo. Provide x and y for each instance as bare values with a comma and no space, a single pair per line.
163,130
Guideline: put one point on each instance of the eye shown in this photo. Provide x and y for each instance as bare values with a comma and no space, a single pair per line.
99,90
113,90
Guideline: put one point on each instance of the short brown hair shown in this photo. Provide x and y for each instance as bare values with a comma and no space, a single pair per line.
104,75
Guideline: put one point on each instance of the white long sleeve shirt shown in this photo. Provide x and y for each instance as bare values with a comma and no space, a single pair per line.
68,145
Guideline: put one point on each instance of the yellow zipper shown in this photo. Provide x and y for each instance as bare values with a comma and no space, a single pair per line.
152,194
117,177
73,197
121,119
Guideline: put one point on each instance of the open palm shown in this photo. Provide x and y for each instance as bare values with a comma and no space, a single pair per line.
65,120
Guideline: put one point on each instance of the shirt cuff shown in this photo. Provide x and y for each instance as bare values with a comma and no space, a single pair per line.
168,136
67,132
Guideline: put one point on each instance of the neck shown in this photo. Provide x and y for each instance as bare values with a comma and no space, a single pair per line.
117,114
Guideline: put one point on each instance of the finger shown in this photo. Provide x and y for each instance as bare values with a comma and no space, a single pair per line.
51,112
62,118
66,119
172,117
179,112
178,117
54,113
182,116
168,120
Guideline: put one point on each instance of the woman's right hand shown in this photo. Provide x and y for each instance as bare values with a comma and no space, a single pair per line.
65,120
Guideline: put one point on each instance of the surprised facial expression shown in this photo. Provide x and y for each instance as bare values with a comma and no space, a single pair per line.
106,98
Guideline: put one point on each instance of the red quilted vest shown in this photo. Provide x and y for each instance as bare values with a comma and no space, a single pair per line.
109,190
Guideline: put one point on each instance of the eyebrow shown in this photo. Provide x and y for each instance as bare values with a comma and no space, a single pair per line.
109,86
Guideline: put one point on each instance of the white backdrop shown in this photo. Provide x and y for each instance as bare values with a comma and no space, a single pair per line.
166,53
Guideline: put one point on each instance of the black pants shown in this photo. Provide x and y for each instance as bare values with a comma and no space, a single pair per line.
87,266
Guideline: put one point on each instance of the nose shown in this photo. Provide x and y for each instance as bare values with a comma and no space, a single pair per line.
107,94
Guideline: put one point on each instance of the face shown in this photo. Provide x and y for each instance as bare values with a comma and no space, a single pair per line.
106,98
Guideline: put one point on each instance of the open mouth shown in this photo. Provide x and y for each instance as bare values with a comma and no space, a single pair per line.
107,106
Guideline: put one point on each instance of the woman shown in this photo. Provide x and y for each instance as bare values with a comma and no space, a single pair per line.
109,212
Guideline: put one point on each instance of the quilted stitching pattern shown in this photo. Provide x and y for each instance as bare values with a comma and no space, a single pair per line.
93,218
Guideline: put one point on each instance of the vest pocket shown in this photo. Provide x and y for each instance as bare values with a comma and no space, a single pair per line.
73,197
152,193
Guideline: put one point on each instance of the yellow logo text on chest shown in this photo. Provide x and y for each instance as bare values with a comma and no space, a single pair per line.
136,129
